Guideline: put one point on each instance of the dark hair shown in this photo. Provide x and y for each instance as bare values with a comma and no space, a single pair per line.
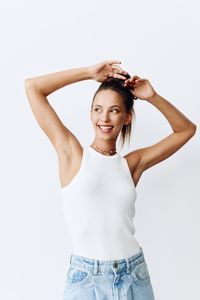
117,85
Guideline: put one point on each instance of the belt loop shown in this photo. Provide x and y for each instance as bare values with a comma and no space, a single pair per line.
127,266
95,270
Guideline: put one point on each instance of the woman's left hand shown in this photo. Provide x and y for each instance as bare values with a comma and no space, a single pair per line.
140,88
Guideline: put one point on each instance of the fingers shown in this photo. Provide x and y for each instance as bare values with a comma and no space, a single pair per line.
113,62
117,68
119,72
134,80
115,75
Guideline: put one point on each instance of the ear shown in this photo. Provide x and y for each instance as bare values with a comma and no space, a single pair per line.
128,119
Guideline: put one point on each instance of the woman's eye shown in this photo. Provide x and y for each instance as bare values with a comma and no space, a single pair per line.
96,109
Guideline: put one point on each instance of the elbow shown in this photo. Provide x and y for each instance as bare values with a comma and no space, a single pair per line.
28,83
193,129
30,86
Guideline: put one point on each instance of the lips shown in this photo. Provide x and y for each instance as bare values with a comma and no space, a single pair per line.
105,128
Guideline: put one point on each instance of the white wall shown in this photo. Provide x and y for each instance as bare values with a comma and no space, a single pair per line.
154,39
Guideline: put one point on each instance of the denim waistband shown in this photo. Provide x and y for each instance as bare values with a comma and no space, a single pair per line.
124,265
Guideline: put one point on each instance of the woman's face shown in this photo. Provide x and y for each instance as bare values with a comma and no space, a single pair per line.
108,109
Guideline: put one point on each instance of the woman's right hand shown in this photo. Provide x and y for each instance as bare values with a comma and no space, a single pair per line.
105,69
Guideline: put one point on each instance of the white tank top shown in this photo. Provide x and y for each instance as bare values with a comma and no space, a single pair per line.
99,206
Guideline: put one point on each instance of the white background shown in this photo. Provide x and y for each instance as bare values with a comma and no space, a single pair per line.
158,40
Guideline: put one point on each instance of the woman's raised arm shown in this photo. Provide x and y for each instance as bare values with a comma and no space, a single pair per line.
37,90
183,128
47,84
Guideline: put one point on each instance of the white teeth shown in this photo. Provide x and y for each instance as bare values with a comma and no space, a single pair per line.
105,128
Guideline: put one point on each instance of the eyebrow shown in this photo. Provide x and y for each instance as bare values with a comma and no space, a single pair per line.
110,106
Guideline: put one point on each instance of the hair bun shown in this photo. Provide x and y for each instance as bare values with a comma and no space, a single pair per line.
117,80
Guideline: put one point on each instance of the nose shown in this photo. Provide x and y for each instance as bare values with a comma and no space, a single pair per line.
105,117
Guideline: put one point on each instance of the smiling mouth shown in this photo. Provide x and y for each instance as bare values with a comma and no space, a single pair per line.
106,128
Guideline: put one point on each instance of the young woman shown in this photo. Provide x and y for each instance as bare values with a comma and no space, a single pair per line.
99,185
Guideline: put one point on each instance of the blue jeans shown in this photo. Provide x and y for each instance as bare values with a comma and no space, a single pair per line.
123,279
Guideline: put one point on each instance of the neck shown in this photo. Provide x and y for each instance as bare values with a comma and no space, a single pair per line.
105,147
